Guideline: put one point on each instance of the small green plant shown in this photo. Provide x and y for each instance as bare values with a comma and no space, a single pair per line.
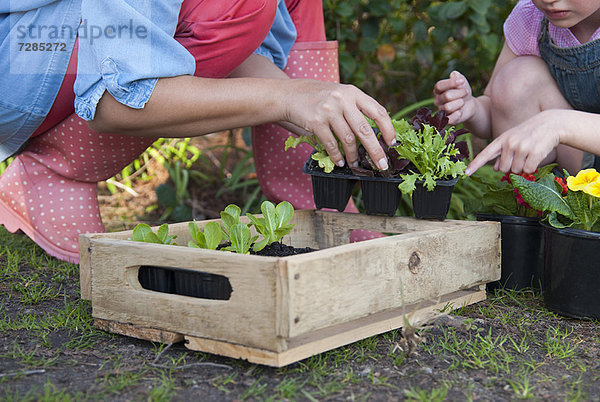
241,239
501,197
230,217
577,206
433,154
274,224
320,155
210,238
143,232
174,198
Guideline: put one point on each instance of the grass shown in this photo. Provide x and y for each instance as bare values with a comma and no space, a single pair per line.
508,347
510,344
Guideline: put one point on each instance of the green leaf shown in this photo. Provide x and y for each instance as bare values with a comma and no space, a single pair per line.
578,201
284,211
181,213
453,9
293,141
257,222
344,10
234,211
194,230
141,231
542,195
240,239
555,222
260,244
213,235
163,232
270,220
230,216
165,195
324,161
480,6
407,186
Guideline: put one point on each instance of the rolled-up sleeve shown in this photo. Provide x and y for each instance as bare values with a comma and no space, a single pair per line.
280,38
125,46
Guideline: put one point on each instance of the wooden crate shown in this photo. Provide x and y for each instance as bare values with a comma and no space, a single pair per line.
285,309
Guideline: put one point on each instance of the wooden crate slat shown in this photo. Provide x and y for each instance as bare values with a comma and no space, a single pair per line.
344,334
118,296
351,281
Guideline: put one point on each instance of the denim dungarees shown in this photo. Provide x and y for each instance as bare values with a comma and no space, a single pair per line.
577,73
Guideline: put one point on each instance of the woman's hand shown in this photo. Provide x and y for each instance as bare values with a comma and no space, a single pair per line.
523,147
455,97
335,111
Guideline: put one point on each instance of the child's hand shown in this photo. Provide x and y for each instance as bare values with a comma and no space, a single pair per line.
455,97
522,148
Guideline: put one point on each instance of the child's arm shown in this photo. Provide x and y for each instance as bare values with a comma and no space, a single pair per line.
524,147
454,95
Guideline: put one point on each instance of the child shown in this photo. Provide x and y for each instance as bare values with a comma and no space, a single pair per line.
132,71
542,102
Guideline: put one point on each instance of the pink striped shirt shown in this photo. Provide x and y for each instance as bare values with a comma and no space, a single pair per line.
522,28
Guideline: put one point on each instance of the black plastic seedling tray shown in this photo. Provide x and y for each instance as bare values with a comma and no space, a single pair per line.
380,195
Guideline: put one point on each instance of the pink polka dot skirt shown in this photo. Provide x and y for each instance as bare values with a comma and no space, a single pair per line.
49,190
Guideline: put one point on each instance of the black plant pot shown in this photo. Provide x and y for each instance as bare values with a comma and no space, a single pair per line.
522,248
571,272
433,204
380,196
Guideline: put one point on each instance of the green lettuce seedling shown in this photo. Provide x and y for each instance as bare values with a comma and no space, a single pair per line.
230,217
240,238
143,232
429,152
274,224
320,154
210,238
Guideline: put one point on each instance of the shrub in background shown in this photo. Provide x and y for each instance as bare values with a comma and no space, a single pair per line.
396,50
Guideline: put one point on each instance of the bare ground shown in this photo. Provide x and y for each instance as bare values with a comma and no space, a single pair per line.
507,347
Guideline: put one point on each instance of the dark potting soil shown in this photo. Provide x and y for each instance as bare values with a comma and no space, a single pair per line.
276,249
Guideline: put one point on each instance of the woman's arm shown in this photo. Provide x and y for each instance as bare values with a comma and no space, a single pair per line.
186,106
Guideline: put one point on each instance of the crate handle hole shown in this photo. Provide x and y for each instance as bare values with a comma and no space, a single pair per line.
202,285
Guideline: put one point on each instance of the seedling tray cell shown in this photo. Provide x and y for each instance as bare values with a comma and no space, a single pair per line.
279,310
433,204
380,197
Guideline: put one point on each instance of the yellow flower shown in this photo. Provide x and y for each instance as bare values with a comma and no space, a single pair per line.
583,179
593,189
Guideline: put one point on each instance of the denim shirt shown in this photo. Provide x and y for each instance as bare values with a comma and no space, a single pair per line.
124,47
30,77
129,68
